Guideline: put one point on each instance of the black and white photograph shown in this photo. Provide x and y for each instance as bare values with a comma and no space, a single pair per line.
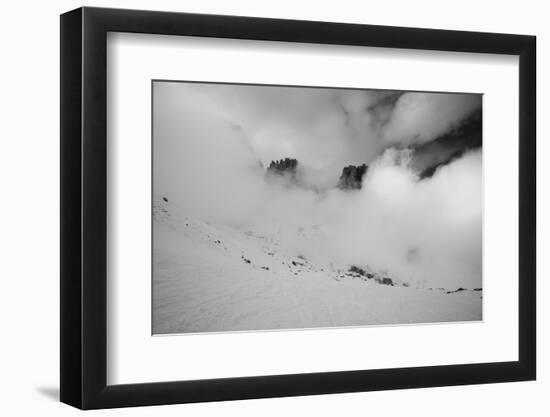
290,207
264,209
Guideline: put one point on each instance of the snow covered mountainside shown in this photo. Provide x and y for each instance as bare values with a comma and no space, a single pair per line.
211,278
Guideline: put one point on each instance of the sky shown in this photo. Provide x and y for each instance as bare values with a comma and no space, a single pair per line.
212,143
325,129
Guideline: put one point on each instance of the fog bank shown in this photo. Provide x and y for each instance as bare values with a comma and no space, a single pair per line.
211,146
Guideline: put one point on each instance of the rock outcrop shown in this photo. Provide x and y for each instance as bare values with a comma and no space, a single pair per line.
427,158
283,166
352,177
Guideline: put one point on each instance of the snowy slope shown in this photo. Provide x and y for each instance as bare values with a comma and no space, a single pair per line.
211,278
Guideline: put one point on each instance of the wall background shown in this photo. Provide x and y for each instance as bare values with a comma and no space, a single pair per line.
29,226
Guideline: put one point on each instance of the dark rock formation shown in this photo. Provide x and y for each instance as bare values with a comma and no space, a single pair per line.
283,166
357,270
384,281
387,281
466,136
352,177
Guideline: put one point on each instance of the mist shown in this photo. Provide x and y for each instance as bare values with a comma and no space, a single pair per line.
212,144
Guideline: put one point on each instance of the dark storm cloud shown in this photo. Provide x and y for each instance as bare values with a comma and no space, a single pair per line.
422,117
466,136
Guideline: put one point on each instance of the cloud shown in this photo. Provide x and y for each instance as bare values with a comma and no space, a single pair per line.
325,129
209,147
415,231
421,117
200,159
439,220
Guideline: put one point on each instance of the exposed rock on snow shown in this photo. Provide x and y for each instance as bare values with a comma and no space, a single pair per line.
352,177
211,278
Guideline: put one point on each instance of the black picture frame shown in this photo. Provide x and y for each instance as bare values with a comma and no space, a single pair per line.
84,207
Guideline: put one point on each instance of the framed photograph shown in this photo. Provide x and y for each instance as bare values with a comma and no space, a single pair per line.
259,208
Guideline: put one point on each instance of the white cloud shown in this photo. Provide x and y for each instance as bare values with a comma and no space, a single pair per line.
207,148
421,117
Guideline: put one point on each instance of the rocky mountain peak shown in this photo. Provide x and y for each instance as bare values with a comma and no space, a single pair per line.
352,177
283,166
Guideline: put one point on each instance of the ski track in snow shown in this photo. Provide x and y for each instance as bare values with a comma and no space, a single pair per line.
210,279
